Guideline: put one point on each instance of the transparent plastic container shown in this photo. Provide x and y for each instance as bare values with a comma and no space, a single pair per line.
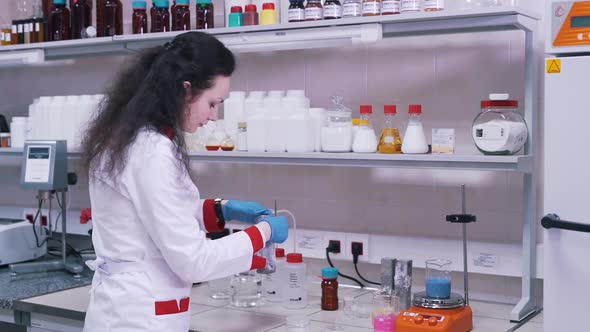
336,134
246,289
438,278
220,289
499,129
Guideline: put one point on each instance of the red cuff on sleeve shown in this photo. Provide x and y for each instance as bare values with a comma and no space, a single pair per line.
212,224
258,262
85,216
255,237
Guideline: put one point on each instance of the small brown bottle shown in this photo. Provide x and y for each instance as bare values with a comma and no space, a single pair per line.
58,23
161,19
111,22
205,14
139,20
329,289
81,16
181,16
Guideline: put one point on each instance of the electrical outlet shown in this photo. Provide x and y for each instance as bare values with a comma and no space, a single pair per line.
360,238
340,237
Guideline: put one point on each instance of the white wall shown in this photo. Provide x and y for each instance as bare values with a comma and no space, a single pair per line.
448,74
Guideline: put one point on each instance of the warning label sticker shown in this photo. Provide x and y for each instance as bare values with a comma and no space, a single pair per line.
553,66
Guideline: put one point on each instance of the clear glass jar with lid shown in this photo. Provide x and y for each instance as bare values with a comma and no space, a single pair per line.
336,135
499,129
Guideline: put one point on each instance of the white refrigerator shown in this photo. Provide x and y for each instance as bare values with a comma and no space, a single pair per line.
566,194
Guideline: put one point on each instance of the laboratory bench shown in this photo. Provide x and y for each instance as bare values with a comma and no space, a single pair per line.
64,311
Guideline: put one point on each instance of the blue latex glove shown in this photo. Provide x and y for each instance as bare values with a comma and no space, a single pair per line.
279,226
244,211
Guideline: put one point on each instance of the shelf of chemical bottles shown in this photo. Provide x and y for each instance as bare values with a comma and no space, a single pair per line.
518,163
302,35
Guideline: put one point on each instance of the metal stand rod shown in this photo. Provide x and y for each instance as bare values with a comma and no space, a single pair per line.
63,227
465,271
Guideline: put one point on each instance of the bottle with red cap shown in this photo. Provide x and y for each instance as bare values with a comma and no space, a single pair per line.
272,283
236,18
294,282
414,141
269,14
250,15
365,139
390,140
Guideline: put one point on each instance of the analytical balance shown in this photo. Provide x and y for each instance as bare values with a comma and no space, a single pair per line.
448,312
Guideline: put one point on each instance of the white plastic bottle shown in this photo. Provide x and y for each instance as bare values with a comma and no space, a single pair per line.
18,131
233,111
272,282
414,141
256,133
294,287
253,102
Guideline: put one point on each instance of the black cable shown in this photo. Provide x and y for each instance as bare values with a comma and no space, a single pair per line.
34,224
69,248
362,278
340,274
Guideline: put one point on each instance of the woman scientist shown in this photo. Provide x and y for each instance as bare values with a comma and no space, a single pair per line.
149,221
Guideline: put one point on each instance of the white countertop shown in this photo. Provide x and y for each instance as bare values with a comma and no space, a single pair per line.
219,316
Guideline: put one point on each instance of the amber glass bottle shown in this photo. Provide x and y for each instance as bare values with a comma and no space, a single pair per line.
111,18
58,23
181,16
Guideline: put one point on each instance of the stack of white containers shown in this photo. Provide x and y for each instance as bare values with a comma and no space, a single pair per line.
56,118
276,121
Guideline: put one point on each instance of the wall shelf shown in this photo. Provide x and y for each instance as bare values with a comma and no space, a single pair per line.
332,33
429,161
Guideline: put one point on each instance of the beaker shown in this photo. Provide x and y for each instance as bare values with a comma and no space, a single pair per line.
438,278
386,308
220,289
246,289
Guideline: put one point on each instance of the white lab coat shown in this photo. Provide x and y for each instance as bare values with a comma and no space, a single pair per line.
150,244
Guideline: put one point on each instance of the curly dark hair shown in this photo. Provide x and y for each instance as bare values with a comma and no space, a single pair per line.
149,93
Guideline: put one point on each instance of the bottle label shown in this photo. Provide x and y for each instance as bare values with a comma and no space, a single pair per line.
27,28
352,9
434,4
313,13
388,139
37,27
296,14
333,10
410,5
14,29
391,6
8,38
21,28
2,38
372,8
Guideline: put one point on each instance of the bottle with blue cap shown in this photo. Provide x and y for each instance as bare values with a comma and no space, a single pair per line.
329,289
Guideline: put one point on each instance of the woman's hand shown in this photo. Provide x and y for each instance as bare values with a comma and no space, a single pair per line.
279,227
244,211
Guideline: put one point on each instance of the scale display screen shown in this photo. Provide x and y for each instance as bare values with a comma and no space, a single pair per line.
39,153
581,22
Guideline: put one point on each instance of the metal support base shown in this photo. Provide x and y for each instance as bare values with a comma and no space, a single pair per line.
35,267
56,265
535,311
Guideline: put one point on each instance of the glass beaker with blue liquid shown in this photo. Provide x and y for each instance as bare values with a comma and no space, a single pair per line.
438,278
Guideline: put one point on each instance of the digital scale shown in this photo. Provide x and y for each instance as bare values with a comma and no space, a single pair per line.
452,314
